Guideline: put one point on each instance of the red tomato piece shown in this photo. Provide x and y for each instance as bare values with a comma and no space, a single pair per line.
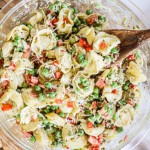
132,86
54,21
59,42
131,57
103,45
48,12
70,104
42,86
34,80
66,20
92,18
100,83
88,49
93,140
7,107
90,124
58,101
82,42
114,91
58,75
94,105
12,66
55,63
94,147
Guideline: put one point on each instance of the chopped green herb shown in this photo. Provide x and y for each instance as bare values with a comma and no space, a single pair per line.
92,119
87,112
84,63
75,10
125,87
45,121
136,106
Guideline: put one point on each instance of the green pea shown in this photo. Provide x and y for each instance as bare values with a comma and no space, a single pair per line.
96,96
54,107
61,114
91,98
48,85
24,85
89,11
15,43
84,63
75,10
17,38
32,139
46,111
80,57
78,22
119,129
87,112
74,30
98,118
88,105
31,71
125,87
136,106
92,119
80,132
52,94
64,5
37,88
45,72
96,90
86,88
83,21
114,50
73,50
41,97
45,121
114,84
72,41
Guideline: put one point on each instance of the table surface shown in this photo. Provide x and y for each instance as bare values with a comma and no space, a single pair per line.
144,6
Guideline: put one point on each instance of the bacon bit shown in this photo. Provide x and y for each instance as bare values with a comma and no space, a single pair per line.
94,105
32,118
60,42
34,95
1,63
27,134
90,124
66,20
131,57
58,101
42,86
114,91
12,66
100,83
58,75
26,54
103,45
55,63
125,138
58,111
131,103
132,86
4,84
34,80
54,21
92,18
7,107
48,12
71,121
70,104
94,147
93,140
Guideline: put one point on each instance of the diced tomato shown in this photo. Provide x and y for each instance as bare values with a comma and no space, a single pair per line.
90,124
27,134
54,21
48,12
12,66
70,104
103,45
55,63
26,54
131,103
66,20
82,42
32,118
34,95
92,18
7,107
34,80
132,86
42,86
4,84
58,101
58,75
114,91
94,147
94,105
100,83
59,42
88,49
131,57
93,140
100,138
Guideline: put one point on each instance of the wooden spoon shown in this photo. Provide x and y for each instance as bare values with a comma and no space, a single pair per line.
130,40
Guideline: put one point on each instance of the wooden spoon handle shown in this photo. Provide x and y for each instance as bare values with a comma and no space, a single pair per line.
145,34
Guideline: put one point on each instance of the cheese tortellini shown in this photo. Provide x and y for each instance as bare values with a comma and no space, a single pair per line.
7,49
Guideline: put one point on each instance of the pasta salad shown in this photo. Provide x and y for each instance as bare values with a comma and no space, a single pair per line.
60,83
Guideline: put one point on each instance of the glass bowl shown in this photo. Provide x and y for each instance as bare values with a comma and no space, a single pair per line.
119,16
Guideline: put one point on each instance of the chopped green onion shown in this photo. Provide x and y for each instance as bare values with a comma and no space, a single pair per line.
127,83
1,54
82,79
17,38
73,50
77,22
18,49
80,57
61,114
86,88
37,88
86,83
95,96
80,132
46,111
18,116
121,102
48,85
136,106
88,105
52,94
41,97
115,116
57,134
89,11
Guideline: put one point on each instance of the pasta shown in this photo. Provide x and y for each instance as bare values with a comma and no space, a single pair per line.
59,81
